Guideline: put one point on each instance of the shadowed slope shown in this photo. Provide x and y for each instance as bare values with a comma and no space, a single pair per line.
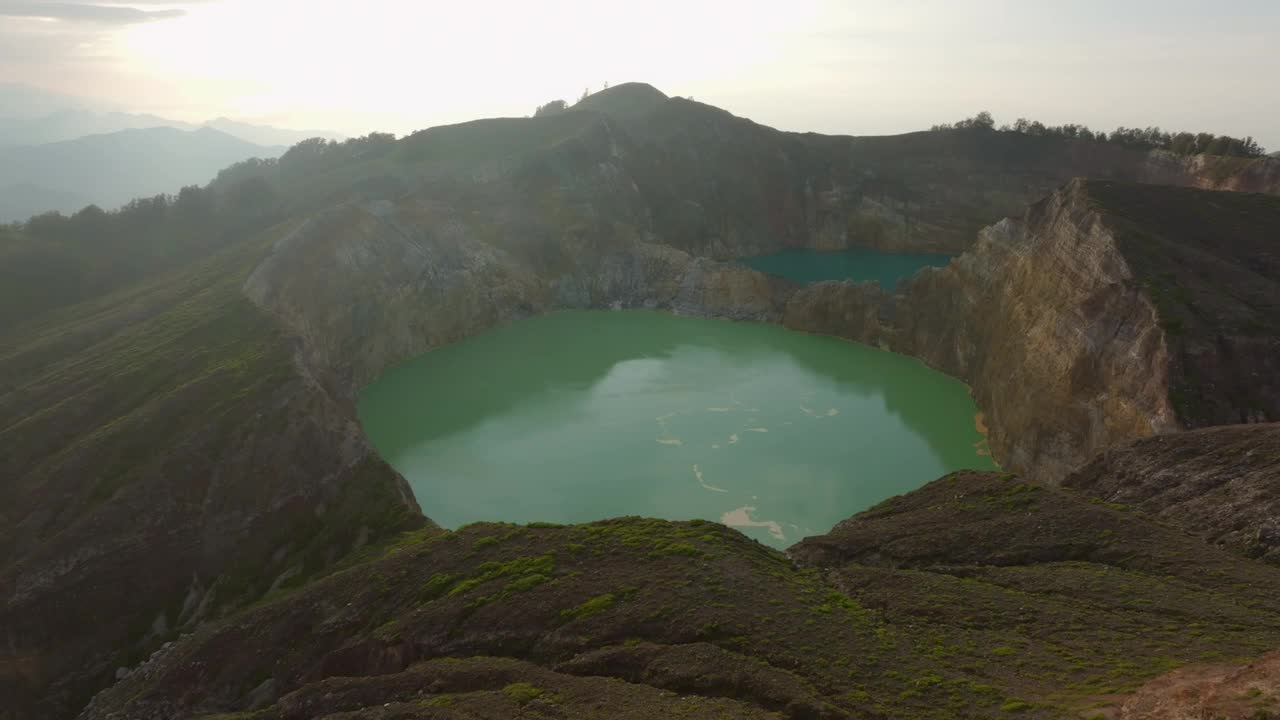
166,462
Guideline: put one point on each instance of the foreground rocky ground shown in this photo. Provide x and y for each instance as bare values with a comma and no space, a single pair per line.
977,595
1221,483
1222,692
183,446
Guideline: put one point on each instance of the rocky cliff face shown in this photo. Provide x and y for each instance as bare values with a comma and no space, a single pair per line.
1109,312
1045,319
1213,172
361,292
363,288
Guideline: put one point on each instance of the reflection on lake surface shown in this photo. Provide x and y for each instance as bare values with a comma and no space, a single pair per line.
579,416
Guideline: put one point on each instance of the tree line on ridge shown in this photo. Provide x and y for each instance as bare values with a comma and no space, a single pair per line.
1149,138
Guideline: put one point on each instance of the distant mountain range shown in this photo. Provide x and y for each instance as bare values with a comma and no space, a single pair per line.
110,169
266,134
71,124
32,116
62,153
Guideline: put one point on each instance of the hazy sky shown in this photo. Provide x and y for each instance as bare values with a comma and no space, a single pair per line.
843,67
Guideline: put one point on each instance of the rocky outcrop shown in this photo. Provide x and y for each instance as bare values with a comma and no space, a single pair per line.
1209,263
1222,692
361,292
1221,483
1042,318
1109,312
856,311
1046,320
1212,172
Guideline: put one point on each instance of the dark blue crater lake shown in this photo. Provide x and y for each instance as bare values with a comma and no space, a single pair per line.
858,265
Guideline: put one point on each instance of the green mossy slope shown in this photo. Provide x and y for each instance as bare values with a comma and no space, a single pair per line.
978,595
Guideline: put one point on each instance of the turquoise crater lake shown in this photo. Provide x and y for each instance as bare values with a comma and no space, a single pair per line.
584,415
858,265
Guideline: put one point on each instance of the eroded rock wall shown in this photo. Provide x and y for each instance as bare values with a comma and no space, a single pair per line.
361,292
364,287
1108,312
1212,172
1043,319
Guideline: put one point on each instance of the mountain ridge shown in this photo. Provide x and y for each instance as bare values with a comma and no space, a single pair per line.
74,123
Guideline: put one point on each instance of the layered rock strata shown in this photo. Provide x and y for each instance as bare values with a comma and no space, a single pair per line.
1107,313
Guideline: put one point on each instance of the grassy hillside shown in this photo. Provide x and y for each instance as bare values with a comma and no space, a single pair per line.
161,435
952,601
54,261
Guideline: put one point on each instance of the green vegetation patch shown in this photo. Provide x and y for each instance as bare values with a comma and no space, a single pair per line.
522,693
594,606
529,572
